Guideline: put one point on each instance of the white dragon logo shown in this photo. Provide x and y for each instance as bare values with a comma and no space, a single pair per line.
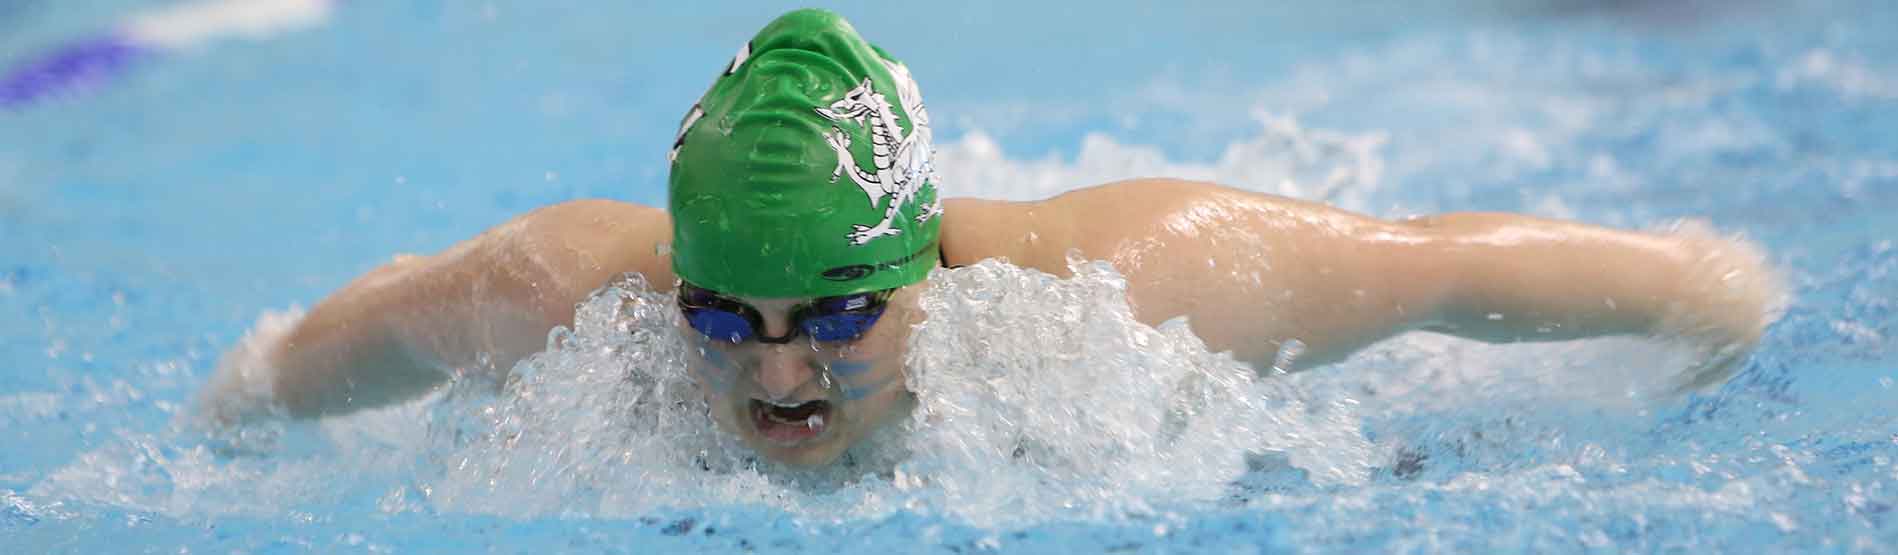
902,161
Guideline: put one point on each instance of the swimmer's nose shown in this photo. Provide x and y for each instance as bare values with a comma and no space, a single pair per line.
782,369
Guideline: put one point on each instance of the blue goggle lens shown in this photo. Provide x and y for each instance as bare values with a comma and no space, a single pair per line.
830,319
840,327
719,324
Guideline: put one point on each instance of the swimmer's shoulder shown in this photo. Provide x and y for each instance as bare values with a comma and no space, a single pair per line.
595,222
1096,220
589,242
974,230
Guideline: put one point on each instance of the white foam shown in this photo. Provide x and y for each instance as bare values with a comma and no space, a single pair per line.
1062,406
1284,158
1845,74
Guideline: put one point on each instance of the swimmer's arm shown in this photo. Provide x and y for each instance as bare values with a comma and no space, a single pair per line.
1520,278
1252,272
478,307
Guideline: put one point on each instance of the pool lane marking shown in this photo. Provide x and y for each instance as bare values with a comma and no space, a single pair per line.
90,62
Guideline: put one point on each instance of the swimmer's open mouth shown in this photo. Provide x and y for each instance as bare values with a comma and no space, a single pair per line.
790,423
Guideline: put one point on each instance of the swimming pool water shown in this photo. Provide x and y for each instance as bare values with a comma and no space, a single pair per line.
152,219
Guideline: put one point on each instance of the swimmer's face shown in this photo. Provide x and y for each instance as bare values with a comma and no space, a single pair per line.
803,402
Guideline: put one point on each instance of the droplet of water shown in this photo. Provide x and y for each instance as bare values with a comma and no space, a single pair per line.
559,337
1075,258
1289,351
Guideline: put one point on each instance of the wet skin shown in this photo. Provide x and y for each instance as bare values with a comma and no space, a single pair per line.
1248,271
860,382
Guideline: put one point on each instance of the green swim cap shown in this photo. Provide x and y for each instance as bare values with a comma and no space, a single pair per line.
805,170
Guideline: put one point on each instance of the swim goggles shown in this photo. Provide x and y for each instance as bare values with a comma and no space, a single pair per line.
829,319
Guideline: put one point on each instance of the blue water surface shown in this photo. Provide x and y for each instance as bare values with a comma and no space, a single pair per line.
145,224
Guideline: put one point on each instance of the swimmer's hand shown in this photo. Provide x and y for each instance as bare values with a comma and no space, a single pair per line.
1729,294
240,390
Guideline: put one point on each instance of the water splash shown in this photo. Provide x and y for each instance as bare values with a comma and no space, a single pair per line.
1039,398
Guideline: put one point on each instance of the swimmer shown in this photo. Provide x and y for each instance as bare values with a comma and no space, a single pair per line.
804,218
